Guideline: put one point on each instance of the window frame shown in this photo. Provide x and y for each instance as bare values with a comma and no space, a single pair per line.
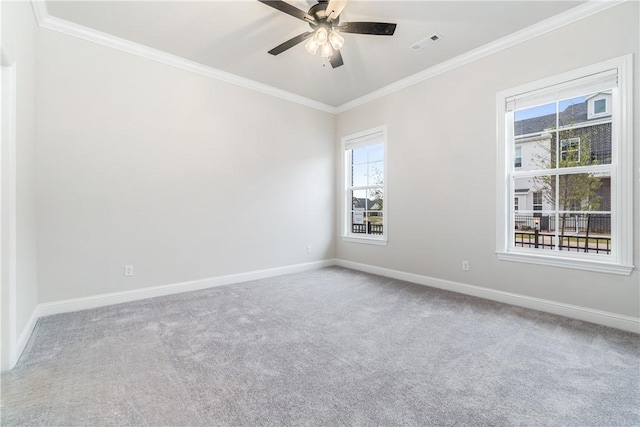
375,135
621,105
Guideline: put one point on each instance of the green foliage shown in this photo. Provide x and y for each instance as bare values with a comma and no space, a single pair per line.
576,191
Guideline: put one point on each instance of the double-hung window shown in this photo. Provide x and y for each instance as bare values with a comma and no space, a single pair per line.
365,195
578,175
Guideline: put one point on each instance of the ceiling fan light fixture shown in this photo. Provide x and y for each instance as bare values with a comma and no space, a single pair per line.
321,35
326,51
311,46
324,20
336,40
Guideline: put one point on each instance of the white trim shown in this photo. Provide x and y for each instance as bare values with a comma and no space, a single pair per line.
568,17
75,304
365,240
8,257
24,336
566,262
613,320
625,156
72,29
40,11
366,137
621,259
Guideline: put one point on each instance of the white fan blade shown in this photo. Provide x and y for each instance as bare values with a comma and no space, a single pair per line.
334,8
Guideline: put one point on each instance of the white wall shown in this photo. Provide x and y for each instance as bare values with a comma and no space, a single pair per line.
183,176
19,48
442,168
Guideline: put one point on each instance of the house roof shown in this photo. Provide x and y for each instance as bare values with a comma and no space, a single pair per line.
574,113
360,203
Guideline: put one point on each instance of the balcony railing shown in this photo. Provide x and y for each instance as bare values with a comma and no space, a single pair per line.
577,243
367,228
586,223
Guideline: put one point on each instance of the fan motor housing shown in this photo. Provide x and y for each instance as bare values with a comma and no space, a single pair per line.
319,13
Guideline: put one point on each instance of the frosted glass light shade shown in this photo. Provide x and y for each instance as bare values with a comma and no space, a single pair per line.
336,40
326,51
311,46
321,36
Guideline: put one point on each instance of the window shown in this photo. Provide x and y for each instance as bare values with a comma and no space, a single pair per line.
518,157
598,105
578,170
365,193
516,202
537,203
570,150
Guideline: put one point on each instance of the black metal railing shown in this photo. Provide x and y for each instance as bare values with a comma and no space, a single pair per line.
367,228
591,223
577,243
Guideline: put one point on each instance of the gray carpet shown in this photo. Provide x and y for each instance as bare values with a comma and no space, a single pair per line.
328,347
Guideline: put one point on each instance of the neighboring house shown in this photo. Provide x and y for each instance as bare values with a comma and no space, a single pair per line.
368,204
584,129
371,216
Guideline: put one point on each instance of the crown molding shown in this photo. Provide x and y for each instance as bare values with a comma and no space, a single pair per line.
578,13
72,29
575,14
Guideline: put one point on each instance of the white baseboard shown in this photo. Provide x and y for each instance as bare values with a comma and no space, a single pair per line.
24,336
626,323
613,320
76,304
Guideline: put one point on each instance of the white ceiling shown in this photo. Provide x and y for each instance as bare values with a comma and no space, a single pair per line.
234,36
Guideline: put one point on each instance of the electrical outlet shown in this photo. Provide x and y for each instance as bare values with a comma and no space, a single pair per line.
128,270
308,249
465,265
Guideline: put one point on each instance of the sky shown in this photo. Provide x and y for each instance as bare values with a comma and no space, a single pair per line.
543,110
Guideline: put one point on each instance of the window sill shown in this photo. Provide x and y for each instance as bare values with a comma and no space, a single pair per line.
572,263
365,240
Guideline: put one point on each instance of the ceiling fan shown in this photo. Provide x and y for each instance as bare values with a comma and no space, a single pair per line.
324,20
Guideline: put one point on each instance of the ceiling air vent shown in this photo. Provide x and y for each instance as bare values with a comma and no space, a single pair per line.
425,42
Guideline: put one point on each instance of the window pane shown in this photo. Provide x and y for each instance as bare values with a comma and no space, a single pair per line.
572,111
359,175
376,199
540,152
359,155
376,152
376,173
359,198
585,146
599,106
535,119
375,223
358,212
584,192
586,233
